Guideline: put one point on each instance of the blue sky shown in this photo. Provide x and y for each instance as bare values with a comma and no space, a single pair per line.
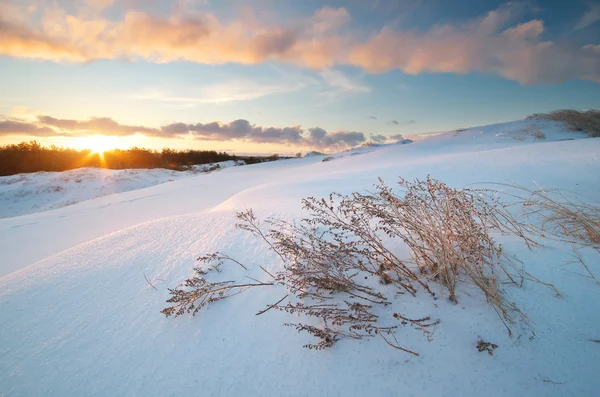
301,75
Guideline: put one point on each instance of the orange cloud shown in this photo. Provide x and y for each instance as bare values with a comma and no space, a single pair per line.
99,4
18,41
490,44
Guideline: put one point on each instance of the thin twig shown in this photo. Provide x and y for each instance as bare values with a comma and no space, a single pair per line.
397,347
554,383
148,281
271,306
266,271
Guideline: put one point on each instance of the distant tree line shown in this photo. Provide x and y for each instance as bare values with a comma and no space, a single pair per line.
32,157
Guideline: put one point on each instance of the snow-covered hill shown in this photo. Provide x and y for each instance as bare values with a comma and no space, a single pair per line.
78,317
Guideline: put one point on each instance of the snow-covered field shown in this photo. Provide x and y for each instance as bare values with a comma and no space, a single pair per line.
77,316
42,191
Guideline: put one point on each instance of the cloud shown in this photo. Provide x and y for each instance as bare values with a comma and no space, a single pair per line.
102,125
495,43
175,129
338,83
98,5
396,138
378,138
396,122
331,83
590,17
18,127
337,139
229,91
295,135
372,117
16,40
321,138
328,19
238,130
317,133
484,45
288,135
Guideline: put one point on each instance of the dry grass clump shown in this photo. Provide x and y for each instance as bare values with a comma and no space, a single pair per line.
449,233
561,215
568,219
587,121
337,259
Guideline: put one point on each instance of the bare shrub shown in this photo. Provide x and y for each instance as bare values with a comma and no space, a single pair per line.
537,134
332,259
529,132
523,134
458,131
587,121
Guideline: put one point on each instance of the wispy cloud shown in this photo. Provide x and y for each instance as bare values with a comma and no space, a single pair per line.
330,83
337,84
498,43
590,17
230,91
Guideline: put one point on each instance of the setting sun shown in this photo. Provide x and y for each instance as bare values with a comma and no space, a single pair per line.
97,143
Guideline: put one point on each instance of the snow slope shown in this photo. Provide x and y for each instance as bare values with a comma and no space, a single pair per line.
77,316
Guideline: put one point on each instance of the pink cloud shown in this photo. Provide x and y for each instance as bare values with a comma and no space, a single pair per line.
493,44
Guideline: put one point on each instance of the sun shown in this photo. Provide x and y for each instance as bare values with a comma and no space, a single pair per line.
97,143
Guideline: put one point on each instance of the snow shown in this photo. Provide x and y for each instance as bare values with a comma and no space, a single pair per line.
42,191
77,316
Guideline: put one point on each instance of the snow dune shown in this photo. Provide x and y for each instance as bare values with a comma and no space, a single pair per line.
77,316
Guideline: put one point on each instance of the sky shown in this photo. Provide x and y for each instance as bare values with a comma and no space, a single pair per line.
283,76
